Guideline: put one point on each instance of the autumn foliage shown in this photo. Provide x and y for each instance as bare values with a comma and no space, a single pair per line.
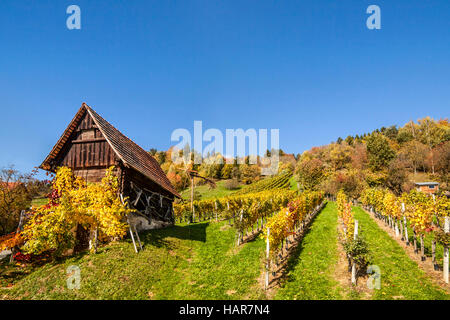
96,207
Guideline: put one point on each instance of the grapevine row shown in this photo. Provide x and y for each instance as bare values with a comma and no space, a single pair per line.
278,182
422,212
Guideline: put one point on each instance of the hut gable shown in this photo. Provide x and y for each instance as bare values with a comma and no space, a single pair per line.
90,144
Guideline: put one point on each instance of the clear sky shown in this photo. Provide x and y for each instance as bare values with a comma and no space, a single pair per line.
311,68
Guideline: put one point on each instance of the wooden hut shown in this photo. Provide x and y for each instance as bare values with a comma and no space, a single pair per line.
427,187
90,145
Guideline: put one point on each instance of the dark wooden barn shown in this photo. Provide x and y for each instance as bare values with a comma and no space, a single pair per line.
90,145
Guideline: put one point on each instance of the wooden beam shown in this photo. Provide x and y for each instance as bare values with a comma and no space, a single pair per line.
89,140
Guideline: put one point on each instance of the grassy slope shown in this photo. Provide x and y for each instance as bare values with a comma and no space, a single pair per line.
39,202
311,266
293,183
400,276
182,262
207,193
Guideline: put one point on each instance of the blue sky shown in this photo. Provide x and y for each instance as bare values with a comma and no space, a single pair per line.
309,68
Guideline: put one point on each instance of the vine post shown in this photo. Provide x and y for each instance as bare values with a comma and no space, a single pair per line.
266,283
446,230
405,224
355,235
215,205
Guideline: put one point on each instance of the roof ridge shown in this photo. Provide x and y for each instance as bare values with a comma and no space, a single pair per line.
152,166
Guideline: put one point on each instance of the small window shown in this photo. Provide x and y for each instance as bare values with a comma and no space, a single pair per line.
431,187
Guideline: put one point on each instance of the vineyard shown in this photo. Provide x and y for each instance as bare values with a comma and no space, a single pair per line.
278,182
271,244
415,217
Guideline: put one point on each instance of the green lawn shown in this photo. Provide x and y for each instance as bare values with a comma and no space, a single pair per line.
39,202
311,267
198,261
207,193
293,183
401,278
201,261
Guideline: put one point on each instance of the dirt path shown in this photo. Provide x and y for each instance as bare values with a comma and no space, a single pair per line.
343,275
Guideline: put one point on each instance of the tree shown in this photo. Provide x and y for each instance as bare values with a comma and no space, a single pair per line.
340,155
160,157
391,132
431,134
443,161
227,171
349,140
414,153
310,173
359,157
14,197
396,177
249,173
379,151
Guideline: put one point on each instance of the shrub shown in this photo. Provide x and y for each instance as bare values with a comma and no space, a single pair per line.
97,207
231,184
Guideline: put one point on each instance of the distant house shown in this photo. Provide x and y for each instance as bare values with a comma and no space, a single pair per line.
90,145
427,187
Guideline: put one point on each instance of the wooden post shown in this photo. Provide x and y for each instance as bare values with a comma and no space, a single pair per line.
240,233
215,204
401,228
415,240
137,237
433,253
406,231
132,236
422,248
355,235
446,230
266,283
192,198
19,228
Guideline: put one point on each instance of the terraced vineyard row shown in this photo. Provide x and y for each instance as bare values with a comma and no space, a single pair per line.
278,182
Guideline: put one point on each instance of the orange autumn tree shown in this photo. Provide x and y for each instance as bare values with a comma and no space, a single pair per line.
97,207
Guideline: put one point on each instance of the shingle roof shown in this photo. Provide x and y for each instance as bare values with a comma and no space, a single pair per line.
129,152
427,183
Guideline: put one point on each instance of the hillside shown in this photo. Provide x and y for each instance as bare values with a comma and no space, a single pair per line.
201,261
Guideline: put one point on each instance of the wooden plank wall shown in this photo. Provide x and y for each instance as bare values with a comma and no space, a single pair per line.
87,150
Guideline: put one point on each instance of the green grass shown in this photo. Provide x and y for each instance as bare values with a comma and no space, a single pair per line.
198,261
401,278
207,193
311,267
293,183
39,202
201,261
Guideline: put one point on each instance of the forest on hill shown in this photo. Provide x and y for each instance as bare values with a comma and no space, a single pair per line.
391,157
